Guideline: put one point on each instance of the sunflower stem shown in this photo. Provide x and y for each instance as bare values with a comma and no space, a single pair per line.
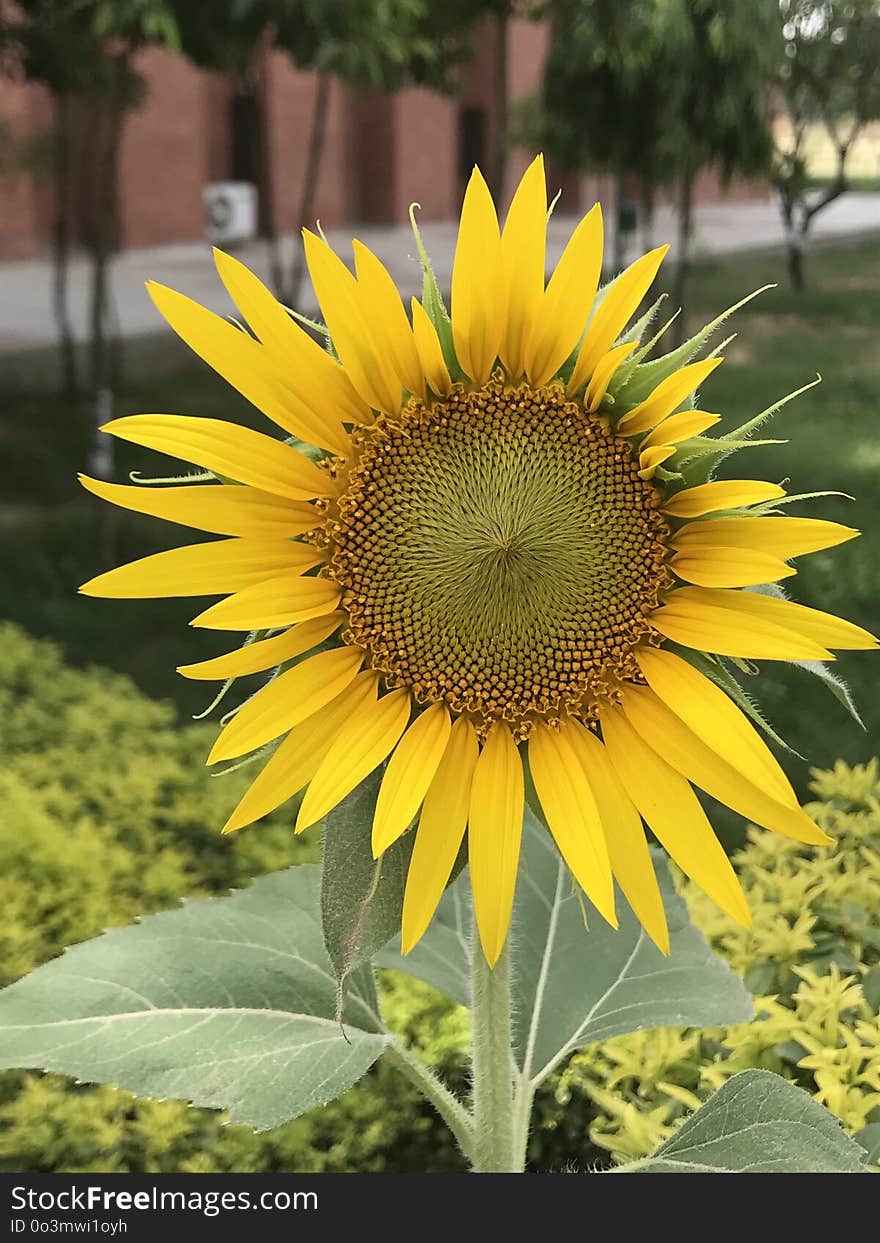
423,1078
492,1066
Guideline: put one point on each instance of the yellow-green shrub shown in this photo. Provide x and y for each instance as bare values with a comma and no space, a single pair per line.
811,958
108,812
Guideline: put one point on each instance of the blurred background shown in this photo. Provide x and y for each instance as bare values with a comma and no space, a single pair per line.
134,134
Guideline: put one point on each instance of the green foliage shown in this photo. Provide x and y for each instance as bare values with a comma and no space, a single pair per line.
109,813
577,980
658,88
756,1123
810,958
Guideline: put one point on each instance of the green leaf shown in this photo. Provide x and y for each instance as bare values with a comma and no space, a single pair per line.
835,685
573,986
227,1003
361,901
871,988
869,1138
757,1123
443,956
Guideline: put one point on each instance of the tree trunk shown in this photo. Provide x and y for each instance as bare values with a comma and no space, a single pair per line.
683,264
69,378
305,214
795,239
103,238
647,222
796,263
266,188
617,254
500,88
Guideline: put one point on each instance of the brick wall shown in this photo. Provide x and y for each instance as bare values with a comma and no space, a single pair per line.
381,152
19,207
164,157
289,102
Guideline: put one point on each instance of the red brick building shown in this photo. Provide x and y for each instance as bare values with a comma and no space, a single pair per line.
381,151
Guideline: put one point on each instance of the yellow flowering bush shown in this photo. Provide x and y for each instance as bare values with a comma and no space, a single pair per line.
811,959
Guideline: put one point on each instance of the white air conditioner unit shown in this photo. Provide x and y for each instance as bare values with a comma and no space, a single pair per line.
231,211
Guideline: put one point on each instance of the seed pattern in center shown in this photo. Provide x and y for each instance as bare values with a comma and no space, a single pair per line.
498,551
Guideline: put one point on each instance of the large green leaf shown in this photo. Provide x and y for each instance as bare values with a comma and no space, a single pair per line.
757,1123
574,985
361,901
228,1003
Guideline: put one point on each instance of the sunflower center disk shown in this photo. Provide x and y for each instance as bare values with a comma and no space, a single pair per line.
498,551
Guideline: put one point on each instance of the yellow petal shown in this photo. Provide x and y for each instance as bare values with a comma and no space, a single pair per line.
440,832
684,751
691,616
624,835
477,284
777,536
668,804
380,300
614,312
721,494
240,360
679,427
572,816
430,351
494,834
296,761
223,509
728,567
267,653
667,397
267,605
366,739
342,306
410,771
604,374
812,624
567,301
650,459
712,716
308,372
523,256
236,452
291,698
206,569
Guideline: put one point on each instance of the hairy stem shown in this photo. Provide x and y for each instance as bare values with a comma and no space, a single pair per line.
492,1068
423,1078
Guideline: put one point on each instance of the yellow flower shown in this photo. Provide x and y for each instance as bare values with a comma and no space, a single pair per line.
475,559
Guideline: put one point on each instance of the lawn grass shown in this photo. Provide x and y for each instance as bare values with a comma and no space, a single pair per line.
50,540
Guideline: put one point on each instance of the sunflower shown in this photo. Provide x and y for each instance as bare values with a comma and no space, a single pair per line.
488,554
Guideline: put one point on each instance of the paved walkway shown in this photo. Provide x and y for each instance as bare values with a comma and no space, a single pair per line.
25,308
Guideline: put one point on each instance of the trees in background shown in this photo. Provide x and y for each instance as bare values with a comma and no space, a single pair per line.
829,76
380,44
657,90
84,55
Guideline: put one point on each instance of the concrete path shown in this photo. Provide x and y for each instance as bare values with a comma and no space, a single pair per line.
25,308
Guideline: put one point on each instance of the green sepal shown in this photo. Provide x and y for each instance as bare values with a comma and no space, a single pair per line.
716,671
698,458
770,507
432,301
834,683
649,375
817,668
